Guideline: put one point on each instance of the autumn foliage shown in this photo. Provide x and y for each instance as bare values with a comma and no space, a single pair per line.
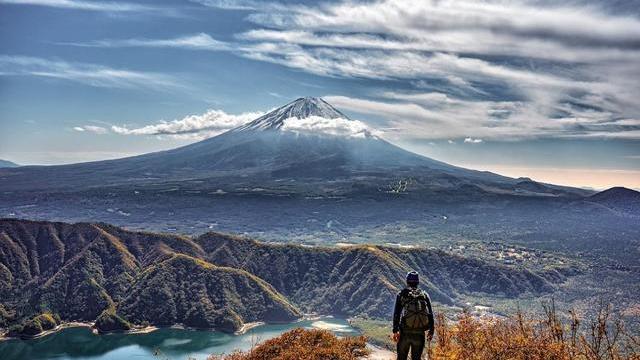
301,344
522,338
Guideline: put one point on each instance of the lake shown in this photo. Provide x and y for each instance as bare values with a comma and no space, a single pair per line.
162,344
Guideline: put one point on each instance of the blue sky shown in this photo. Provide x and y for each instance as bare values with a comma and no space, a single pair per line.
523,88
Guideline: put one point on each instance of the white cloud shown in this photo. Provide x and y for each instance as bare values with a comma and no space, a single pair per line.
89,74
91,128
462,22
334,127
215,122
554,65
210,123
472,140
439,116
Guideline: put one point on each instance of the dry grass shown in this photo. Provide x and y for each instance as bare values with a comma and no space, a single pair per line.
522,338
301,344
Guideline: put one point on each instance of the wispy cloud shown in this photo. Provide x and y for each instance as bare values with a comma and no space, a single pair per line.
199,41
104,6
447,25
91,128
440,116
89,74
201,126
241,4
510,70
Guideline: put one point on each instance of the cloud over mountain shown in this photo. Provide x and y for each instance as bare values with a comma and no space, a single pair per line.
335,127
210,123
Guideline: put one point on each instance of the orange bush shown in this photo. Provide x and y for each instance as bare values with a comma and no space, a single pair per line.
301,344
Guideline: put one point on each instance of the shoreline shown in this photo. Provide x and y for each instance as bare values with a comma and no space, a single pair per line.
248,326
136,330
64,325
78,324
148,329
377,352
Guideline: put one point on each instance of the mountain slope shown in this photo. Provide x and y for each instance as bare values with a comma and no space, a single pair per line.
619,199
93,270
364,279
225,298
220,281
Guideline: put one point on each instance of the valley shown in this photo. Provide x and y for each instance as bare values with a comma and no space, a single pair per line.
84,272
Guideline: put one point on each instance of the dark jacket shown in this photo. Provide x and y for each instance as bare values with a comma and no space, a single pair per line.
397,312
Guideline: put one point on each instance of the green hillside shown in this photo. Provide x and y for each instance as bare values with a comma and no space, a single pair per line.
84,272
190,291
364,279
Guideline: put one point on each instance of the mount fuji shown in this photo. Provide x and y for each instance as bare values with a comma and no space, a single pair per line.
307,140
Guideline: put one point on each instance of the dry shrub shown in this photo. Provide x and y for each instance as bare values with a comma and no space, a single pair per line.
523,338
301,344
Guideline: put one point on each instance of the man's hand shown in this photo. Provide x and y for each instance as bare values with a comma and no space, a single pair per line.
395,336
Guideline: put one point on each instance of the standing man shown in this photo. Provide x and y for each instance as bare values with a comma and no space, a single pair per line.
412,318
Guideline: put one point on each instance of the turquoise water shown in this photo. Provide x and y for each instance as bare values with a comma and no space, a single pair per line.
162,344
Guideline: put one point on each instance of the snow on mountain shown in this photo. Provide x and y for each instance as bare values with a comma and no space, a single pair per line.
300,108
310,115
7,164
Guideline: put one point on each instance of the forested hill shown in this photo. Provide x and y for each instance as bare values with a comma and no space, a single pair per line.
363,279
88,271
78,271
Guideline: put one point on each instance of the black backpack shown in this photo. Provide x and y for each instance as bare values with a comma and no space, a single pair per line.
415,312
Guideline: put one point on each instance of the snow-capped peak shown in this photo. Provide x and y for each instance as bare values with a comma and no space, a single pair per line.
301,108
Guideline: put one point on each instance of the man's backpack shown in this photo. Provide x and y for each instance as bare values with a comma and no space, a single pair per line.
415,312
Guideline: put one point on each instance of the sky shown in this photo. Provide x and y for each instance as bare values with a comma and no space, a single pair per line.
541,89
